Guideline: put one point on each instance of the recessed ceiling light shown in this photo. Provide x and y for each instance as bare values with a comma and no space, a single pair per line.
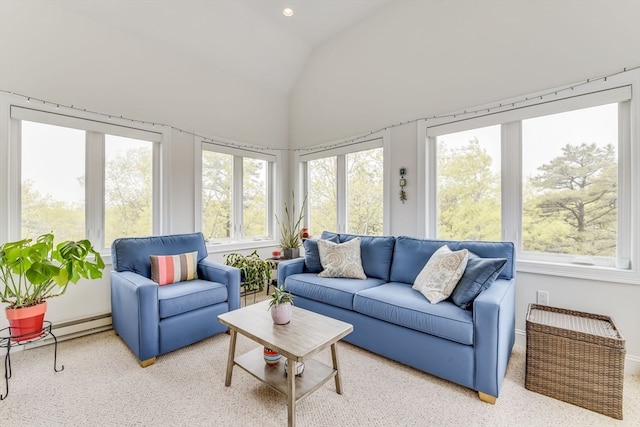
287,11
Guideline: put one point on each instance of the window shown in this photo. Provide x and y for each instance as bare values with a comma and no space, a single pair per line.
322,194
468,187
128,193
82,178
553,176
570,182
217,191
345,189
52,198
365,192
236,194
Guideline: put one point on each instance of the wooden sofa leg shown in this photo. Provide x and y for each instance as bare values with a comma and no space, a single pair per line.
487,398
148,362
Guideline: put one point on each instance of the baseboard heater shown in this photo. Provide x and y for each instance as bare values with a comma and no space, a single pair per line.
74,329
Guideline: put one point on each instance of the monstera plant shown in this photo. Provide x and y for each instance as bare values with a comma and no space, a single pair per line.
32,271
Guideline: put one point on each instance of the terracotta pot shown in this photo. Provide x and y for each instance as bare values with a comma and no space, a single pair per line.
26,323
281,313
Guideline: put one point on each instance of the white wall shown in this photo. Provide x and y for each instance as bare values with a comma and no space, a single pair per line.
418,58
422,58
50,53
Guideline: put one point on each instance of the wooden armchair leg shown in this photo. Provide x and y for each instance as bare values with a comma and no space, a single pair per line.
487,398
148,362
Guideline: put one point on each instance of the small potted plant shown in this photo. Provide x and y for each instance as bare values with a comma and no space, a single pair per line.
33,271
280,305
290,230
254,271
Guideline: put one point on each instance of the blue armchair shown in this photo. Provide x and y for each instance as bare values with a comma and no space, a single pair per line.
154,320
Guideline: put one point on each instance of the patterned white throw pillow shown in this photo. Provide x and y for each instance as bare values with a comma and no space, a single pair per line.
341,259
441,274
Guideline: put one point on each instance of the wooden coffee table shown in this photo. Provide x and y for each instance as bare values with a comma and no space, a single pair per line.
307,334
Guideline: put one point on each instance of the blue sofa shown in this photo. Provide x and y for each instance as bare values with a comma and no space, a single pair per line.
470,347
154,320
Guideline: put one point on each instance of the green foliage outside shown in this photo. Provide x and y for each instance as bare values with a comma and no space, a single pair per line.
468,194
217,179
129,195
570,205
322,196
365,198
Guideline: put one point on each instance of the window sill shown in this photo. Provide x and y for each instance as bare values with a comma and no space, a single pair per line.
239,246
588,272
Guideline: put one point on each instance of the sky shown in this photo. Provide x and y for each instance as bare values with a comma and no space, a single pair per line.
543,137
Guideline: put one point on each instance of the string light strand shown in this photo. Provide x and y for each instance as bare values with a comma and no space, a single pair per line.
456,115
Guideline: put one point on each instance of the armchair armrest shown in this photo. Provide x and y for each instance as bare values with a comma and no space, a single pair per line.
288,267
135,313
494,334
221,273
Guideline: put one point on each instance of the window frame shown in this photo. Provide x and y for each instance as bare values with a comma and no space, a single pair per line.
341,149
14,109
509,114
273,158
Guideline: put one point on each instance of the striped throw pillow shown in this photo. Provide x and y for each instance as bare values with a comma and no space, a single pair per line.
167,269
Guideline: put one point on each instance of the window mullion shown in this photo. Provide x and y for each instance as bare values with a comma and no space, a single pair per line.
511,182
341,170
238,198
94,188
623,256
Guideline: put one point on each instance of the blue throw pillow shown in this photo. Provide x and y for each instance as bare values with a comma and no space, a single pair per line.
312,256
478,276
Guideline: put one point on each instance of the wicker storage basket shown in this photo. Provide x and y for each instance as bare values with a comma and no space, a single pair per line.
575,357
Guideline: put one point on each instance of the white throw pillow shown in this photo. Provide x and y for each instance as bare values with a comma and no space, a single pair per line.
341,259
441,274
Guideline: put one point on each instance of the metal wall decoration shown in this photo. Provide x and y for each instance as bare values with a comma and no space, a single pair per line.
403,182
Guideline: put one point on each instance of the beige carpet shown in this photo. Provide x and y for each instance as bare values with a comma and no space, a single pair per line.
103,385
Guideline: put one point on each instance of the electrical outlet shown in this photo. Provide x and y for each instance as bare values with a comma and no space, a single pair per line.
542,297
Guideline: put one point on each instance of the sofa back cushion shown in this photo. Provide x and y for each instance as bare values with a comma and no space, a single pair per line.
312,262
133,253
376,253
411,255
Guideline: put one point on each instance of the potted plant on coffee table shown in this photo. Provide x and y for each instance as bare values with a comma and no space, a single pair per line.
280,305
31,271
290,230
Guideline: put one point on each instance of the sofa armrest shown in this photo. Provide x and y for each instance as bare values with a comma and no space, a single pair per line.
494,334
225,274
135,312
288,267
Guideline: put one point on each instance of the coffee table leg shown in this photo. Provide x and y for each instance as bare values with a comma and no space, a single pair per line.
334,357
232,356
291,393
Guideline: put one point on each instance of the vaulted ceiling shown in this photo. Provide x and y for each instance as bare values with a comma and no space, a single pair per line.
249,38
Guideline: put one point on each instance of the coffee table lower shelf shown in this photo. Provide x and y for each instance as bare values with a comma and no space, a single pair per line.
314,376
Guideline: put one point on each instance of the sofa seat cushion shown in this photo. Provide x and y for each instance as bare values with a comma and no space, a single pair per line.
338,292
399,304
180,297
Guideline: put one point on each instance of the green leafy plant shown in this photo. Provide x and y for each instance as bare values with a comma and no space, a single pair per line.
32,271
254,270
290,227
279,296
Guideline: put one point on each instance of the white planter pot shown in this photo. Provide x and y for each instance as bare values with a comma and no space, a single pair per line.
281,313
